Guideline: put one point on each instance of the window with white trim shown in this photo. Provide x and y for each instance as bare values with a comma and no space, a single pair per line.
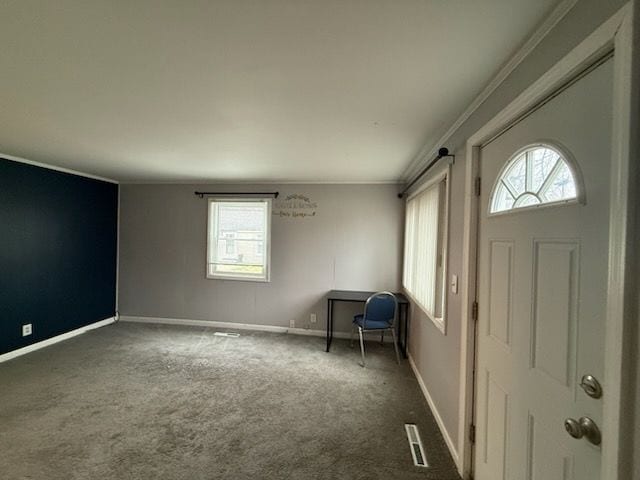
535,176
238,239
425,252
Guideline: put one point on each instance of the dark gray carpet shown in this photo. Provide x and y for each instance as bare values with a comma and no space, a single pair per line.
134,401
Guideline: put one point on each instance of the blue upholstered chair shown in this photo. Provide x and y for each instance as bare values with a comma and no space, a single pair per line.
379,315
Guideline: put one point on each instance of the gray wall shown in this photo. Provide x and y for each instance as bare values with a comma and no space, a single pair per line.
631,438
582,20
437,356
354,241
163,241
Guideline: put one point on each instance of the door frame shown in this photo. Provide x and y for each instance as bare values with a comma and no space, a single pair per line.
614,34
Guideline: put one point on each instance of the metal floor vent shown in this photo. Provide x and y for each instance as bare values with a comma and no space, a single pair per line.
415,444
227,334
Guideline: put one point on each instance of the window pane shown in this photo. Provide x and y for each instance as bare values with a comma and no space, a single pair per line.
526,200
503,199
543,160
240,269
562,185
539,175
517,174
237,239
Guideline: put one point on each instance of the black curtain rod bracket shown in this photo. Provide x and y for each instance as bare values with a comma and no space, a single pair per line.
237,194
442,153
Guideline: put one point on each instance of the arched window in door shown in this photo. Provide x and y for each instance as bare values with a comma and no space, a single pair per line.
535,176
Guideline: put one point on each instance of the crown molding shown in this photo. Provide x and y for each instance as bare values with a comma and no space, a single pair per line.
260,182
428,151
57,169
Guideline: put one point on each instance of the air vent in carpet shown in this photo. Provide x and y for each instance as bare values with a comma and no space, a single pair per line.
415,444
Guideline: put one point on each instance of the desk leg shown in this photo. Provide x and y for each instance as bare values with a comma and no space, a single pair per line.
405,346
399,330
329,323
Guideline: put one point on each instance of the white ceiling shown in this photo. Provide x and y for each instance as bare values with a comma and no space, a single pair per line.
246,90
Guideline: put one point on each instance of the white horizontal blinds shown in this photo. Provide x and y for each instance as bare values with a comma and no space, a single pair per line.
421,258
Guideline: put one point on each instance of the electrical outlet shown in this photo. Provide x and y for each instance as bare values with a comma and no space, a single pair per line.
292,324
27,330
312,318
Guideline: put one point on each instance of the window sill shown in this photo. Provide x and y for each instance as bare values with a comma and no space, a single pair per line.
237,278
439,322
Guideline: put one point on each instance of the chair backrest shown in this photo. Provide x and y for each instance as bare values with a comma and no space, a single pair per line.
380,306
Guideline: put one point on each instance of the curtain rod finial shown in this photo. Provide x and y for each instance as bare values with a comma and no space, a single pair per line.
443,151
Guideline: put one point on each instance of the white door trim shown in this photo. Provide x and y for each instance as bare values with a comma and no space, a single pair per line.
615,33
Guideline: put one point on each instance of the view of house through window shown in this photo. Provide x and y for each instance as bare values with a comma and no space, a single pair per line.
425,250
238,239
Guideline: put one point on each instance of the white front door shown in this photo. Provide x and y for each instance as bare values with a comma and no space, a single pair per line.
542,284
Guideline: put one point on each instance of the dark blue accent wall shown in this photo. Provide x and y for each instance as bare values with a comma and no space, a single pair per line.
58,248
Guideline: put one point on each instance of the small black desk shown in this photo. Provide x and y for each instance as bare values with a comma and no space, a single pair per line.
402,326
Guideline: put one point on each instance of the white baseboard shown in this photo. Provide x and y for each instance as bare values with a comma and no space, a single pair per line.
314,333
236,326
58,338
203,323
436,414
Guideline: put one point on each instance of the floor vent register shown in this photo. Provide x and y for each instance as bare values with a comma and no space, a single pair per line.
415,444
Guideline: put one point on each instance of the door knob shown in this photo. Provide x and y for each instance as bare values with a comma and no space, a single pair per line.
583,427
573,428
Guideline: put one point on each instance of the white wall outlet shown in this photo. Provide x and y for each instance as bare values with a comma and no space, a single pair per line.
292,324
27,330
312,318
454,283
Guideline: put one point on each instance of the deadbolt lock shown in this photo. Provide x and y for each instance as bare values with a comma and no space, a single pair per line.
591,386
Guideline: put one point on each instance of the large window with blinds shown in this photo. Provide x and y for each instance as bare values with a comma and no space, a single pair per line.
425,249
238,239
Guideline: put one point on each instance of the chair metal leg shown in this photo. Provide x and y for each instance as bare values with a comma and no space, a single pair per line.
361,345
395,345
382,337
